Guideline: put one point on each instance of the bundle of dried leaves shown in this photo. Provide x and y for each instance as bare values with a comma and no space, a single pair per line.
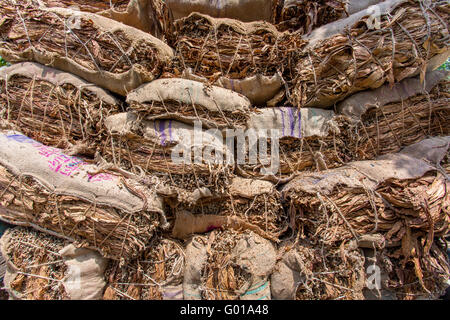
100,50
38,267
54,107
156,275
368,55
303,16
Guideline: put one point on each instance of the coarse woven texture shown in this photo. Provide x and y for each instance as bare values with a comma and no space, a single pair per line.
157,274
151,16
401,197
331,68
310,271
69,198
85,273
245,205
35,269
53,107
229,265
189,101
100,50
243,10
229,48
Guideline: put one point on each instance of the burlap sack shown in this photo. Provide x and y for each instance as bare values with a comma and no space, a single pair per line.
356,105
402,197
232,49
100,50
338,27
346,56
243,204
258,88
307,271
78,271
196,256
54,107
257,257
303,16
33,267
163,145
244,10
151,16
92,204
156,274
84,278
291,122
251,255
189,101
410,163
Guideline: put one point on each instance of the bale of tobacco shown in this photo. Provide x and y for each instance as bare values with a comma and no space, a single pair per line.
53,107
399,275
189,101
303,16
99,50
311,271
228,265
387,119
72,199
363,52
42,267
157,274
151,16
399,200
246,204
179,154
196,176
368,124
35,269
230,52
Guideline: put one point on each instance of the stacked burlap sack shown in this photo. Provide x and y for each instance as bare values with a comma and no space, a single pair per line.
42,267
54,107
320,68
151,16
396,205
123,126
102,51
68,197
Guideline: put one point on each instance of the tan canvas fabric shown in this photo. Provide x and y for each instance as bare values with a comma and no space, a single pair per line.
165,133
187,91
244,10
257,257
252,255
196,255
34,268
25,157
85,273
412,162
56,77
258,89
337,63
291,122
